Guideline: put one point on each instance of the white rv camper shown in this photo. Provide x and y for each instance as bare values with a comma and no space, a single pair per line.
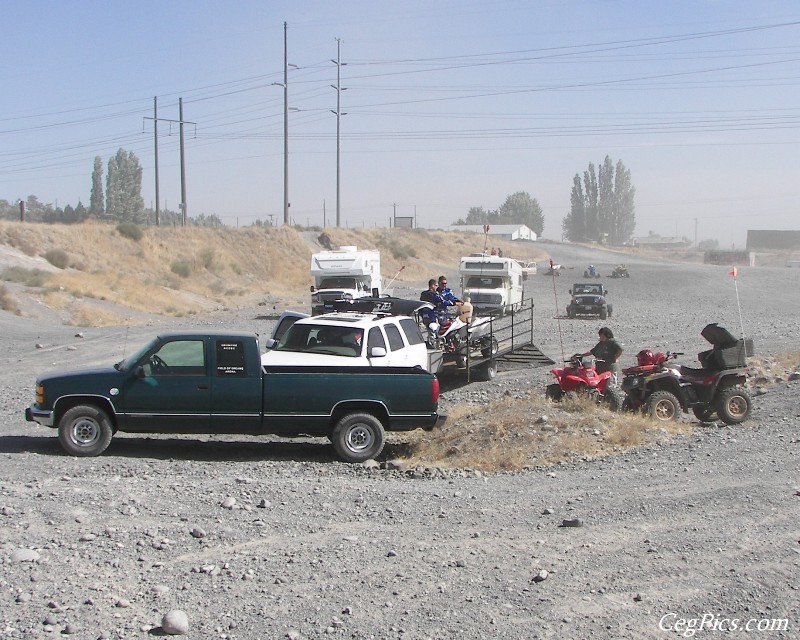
342,274
493,283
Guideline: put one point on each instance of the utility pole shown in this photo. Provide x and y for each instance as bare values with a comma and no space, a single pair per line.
183,163
285,128
339,114
695,233
155,137
181,122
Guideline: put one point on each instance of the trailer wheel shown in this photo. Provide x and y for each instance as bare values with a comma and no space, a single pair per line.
358,437
489,371
491,350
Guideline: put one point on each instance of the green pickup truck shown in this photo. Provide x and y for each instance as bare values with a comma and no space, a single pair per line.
201,382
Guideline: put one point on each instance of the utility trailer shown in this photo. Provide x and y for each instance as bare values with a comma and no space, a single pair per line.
512,334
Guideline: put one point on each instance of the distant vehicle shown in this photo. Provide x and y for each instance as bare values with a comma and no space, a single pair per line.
620,271
493,283
591,272
344,274
529,268
589,299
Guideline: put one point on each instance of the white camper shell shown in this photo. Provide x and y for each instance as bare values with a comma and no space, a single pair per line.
493,283
344,274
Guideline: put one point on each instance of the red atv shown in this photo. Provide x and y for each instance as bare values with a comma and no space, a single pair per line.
663,390
580,377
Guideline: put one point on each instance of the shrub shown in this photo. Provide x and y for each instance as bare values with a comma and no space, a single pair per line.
181,268
7,302
57,257
130,230
28,277
206,257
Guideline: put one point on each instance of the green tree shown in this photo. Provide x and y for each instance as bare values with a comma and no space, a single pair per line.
574,224
623,220
124,201
521,208
602,209
203,220
96,207
476,215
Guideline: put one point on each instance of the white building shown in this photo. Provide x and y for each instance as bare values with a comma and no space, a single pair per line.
501,231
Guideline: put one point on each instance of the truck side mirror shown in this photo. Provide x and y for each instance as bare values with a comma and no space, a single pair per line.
313,288
139,372
270,343
375,293
377,352
605,292
570,292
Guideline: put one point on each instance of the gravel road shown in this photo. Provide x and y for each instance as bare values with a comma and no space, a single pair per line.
254,538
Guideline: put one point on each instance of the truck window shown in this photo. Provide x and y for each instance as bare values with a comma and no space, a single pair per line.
375,339
230,358
395,339
177,358
411,329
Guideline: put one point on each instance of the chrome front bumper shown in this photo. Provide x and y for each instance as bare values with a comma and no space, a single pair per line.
44,418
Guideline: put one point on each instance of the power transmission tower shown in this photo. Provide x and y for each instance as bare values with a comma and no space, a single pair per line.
180,122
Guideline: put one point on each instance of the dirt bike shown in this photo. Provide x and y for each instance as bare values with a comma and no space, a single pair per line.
459,339
580,377
663,390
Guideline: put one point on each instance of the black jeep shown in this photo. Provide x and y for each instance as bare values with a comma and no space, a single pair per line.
589,299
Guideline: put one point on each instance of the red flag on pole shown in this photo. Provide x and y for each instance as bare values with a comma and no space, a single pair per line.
486,228
733,272
551,263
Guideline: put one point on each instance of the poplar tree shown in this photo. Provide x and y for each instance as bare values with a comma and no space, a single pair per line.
96,206
124,200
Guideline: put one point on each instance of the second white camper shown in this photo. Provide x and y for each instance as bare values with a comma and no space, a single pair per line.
493,283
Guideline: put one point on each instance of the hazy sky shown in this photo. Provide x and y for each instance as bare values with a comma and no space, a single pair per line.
445,105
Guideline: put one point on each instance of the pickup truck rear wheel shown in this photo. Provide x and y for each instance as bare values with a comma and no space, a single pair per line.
358,437
85,430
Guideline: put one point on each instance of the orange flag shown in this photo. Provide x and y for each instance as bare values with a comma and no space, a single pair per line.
733,272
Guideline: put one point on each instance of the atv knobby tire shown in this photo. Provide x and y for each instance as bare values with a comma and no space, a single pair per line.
614,398
663,406
733,405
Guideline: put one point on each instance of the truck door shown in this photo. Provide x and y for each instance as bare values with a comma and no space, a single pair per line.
174,395
235,386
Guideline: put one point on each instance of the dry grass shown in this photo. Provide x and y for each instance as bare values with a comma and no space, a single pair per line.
511,434
773,369
219,267
7,301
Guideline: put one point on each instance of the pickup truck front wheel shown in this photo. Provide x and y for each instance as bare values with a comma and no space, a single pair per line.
85,431
358,437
